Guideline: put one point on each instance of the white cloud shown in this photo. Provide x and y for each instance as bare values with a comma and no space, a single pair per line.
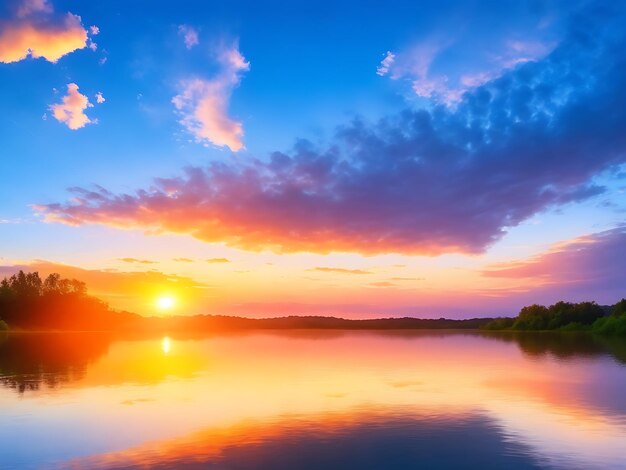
203,104
71,111
385,64
190,35
100,98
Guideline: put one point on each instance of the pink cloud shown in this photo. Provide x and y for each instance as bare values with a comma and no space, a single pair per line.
36,31
71,111
385,64
416,65
567,262
28,7
203,104
586,268
190,35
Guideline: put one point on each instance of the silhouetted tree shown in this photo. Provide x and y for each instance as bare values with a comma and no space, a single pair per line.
56,303
619,308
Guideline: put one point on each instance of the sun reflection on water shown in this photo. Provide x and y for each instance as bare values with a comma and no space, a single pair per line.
166,345
275,391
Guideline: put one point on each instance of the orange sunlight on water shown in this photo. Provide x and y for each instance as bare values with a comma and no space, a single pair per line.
167,398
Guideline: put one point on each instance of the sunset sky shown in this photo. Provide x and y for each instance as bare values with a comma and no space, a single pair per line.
362,159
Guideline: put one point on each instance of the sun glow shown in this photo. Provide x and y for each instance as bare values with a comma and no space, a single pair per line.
165,302
166,345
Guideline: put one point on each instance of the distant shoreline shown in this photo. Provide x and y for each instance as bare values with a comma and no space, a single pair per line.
29,303
201,323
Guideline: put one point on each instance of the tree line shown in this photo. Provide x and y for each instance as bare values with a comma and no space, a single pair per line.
566,316
31,303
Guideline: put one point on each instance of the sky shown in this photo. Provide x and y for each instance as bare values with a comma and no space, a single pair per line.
359,159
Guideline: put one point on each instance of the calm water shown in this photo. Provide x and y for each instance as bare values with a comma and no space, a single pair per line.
313,400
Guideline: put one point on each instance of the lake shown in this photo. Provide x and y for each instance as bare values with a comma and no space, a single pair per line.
312,400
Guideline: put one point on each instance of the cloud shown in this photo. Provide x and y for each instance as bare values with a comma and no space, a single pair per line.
385,64
416,64
217,260
189,34
28,7
71,111
382,284
586,268
339,270
94,30
423,182
100,98
36,31
183,260
137,261
598,257
202,104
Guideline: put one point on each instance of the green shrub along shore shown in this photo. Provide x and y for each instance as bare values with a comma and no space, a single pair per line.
566,316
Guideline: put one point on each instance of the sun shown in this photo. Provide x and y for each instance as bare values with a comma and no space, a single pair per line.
165,302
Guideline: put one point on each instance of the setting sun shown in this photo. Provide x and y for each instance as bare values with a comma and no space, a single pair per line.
165,302
258,234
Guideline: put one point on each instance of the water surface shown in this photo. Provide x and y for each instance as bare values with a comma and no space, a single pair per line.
313,399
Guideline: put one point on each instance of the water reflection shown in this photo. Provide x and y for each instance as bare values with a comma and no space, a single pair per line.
166,345
362,439
566,345
286,399
31,361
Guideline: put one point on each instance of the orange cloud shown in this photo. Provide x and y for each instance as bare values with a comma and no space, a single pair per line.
183,260
339,270
71,111
202,104
37,32
139,261
218,260
382,284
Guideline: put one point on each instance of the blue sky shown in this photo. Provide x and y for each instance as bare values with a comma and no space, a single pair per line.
316,106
